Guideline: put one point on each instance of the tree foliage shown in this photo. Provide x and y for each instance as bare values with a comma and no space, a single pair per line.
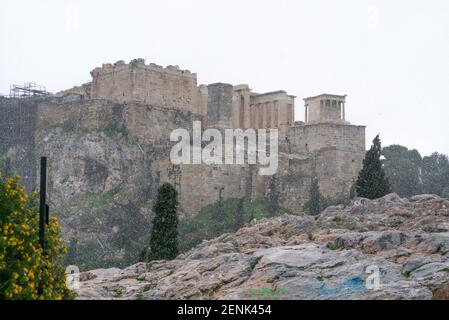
403,167
325,202
164,235
26,272
372,182
435,174
409,174
204,226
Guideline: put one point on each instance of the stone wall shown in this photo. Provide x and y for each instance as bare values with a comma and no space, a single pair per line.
219,105
149,84
336,151
83,90
108,148
104,170
294,176
313,137
144,121
143,128
198,184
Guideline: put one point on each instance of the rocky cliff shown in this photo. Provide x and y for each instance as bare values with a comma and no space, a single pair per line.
105,162
334,255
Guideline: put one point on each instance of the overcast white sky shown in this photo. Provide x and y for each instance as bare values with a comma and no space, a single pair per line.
390,57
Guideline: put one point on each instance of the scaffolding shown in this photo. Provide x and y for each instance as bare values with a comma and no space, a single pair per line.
27,90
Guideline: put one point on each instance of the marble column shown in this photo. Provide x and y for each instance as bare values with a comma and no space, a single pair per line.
246,110
305,114
276,114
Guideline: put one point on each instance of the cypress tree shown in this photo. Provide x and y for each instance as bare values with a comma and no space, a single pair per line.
314,201
164,236
372,182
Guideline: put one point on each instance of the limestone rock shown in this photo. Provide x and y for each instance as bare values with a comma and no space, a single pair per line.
441,293
371,249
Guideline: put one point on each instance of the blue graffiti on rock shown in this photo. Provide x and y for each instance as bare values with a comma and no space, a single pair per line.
349,287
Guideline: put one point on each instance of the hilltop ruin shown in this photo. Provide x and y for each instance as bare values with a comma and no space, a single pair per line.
108,145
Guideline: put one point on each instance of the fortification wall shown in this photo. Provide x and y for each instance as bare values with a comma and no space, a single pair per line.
97,145
294,174
73,115
313,137
140,120
201,185
337,170
145,103
83,90
108,147
149,84
336,152
219,105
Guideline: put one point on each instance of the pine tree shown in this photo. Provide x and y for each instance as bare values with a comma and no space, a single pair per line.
314,201
164,236
372,182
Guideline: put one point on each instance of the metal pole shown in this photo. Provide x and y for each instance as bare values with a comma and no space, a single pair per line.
47,214
42,204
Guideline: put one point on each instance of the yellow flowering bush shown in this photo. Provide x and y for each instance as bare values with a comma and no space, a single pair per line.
26,272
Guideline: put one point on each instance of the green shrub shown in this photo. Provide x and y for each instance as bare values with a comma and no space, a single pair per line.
329,201
205,226
25,271
372,183
164,235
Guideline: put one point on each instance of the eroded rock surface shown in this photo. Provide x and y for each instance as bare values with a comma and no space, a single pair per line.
335,255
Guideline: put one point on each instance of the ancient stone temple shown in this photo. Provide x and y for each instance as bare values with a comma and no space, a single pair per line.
147,101
108,143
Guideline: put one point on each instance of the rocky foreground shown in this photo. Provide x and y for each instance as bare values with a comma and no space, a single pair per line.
335,255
